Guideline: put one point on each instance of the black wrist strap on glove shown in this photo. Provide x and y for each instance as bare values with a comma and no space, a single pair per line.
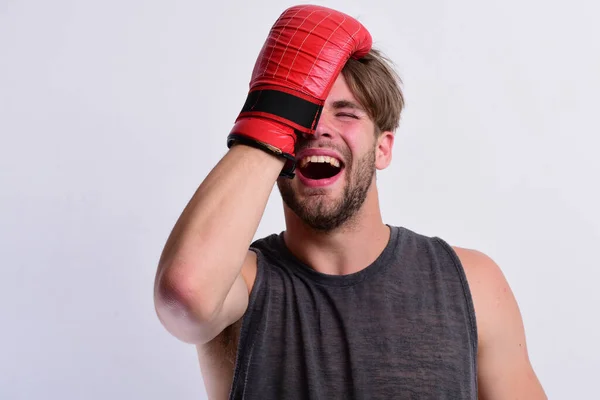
289,167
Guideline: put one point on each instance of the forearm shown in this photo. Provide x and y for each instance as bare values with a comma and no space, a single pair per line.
208,244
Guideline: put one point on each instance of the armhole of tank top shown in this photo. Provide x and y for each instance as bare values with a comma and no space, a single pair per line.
258,280
246,339
466,291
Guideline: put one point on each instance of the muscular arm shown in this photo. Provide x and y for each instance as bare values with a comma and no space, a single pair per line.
201,287
203,274
505,371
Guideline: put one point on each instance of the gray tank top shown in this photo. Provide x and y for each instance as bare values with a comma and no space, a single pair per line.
402,328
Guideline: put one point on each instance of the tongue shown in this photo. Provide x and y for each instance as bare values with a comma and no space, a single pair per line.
319,170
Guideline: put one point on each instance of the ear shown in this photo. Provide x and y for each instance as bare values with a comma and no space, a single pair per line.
383,150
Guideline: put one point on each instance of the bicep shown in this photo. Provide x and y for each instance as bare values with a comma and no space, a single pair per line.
236,302
504,368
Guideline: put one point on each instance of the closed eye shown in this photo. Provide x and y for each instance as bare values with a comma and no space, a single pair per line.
347,115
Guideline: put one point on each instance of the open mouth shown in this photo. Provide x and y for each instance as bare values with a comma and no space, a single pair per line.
320,167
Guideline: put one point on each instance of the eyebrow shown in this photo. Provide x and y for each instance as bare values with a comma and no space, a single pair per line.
346,104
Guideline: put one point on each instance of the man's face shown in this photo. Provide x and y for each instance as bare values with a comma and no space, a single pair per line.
336,166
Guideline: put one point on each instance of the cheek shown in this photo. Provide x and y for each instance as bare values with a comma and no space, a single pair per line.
352,134
359,141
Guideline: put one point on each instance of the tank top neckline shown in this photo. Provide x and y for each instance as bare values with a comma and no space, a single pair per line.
295,265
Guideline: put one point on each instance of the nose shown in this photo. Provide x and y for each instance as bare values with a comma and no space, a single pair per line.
323,129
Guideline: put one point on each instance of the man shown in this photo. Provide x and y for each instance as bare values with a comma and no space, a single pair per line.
340,305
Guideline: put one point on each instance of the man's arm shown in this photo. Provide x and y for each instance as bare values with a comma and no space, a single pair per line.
504,368
201,283
206,271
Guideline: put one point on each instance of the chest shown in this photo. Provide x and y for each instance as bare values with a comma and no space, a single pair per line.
387,324
371,342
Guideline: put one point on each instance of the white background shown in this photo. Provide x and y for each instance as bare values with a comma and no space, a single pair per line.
112,112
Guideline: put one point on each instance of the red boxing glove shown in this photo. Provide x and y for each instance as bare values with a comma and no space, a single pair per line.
304,53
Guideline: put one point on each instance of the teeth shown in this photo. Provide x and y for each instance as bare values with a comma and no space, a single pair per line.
320,159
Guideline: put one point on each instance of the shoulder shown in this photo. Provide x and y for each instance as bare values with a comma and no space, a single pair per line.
490,290
267,245
483,274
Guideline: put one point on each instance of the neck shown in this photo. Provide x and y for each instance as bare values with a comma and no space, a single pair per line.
348,249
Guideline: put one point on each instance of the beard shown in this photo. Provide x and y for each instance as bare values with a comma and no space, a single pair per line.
326,215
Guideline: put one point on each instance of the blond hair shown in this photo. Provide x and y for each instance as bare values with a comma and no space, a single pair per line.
376,85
